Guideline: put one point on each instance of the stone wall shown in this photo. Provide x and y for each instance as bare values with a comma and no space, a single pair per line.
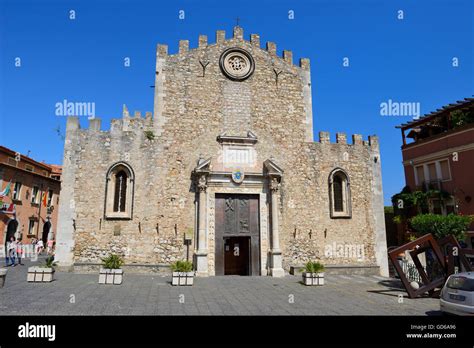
308,227
194,103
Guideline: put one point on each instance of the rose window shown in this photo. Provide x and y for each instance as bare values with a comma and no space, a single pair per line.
237,64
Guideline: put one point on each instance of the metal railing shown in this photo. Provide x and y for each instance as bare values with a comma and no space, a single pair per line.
431,185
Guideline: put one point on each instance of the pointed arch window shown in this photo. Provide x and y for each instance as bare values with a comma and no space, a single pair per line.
119,191
120,194
339,194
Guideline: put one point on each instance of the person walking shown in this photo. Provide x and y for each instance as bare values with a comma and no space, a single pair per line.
39,246
50,246
19,251
7,255
33,245
11,251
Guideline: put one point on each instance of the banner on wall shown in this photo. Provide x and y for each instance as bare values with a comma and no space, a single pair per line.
7,208
6,191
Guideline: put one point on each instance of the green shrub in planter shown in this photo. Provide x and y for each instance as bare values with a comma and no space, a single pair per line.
182,266
441,226
111,273
313,273
49,262
314,267
43,273
112,262
182,273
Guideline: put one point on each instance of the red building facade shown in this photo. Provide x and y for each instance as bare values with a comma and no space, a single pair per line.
29,195
438,153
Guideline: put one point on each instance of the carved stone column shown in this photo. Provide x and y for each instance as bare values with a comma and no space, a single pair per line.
201,252
276,268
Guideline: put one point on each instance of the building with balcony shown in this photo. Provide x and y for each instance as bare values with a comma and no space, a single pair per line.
438,154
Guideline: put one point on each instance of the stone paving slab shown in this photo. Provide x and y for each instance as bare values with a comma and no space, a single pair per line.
150,294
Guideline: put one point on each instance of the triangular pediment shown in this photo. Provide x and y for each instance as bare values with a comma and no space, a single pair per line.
203,165
272,168
251,138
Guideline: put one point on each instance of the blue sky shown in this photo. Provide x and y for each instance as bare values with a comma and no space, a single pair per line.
405,60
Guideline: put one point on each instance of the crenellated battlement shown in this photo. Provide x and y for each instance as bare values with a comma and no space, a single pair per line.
238,35
128,123
357,140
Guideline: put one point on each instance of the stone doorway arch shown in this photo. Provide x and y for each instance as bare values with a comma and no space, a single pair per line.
11,230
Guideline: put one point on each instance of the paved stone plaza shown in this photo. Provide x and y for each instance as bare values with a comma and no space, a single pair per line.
151,294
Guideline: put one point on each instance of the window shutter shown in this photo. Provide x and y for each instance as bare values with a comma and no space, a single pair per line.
432,171
420,174
444,169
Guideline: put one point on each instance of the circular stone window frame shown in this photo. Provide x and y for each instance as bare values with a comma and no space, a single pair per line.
239,51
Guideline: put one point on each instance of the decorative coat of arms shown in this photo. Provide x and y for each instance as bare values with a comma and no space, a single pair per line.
238,176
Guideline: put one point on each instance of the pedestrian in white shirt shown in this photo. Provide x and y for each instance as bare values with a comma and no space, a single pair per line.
11,251
39,246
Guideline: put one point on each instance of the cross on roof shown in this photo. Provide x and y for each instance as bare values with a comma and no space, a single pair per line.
237,20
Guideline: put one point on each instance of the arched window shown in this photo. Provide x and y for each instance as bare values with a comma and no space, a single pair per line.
339,194
120,194
119,191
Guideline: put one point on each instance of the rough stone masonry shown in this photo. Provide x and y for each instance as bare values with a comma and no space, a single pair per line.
229,118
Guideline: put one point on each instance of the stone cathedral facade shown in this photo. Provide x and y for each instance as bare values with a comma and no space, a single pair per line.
225,171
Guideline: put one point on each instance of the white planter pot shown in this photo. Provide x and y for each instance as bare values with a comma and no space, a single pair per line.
110,276
40,275
313,278
182,278
3,275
